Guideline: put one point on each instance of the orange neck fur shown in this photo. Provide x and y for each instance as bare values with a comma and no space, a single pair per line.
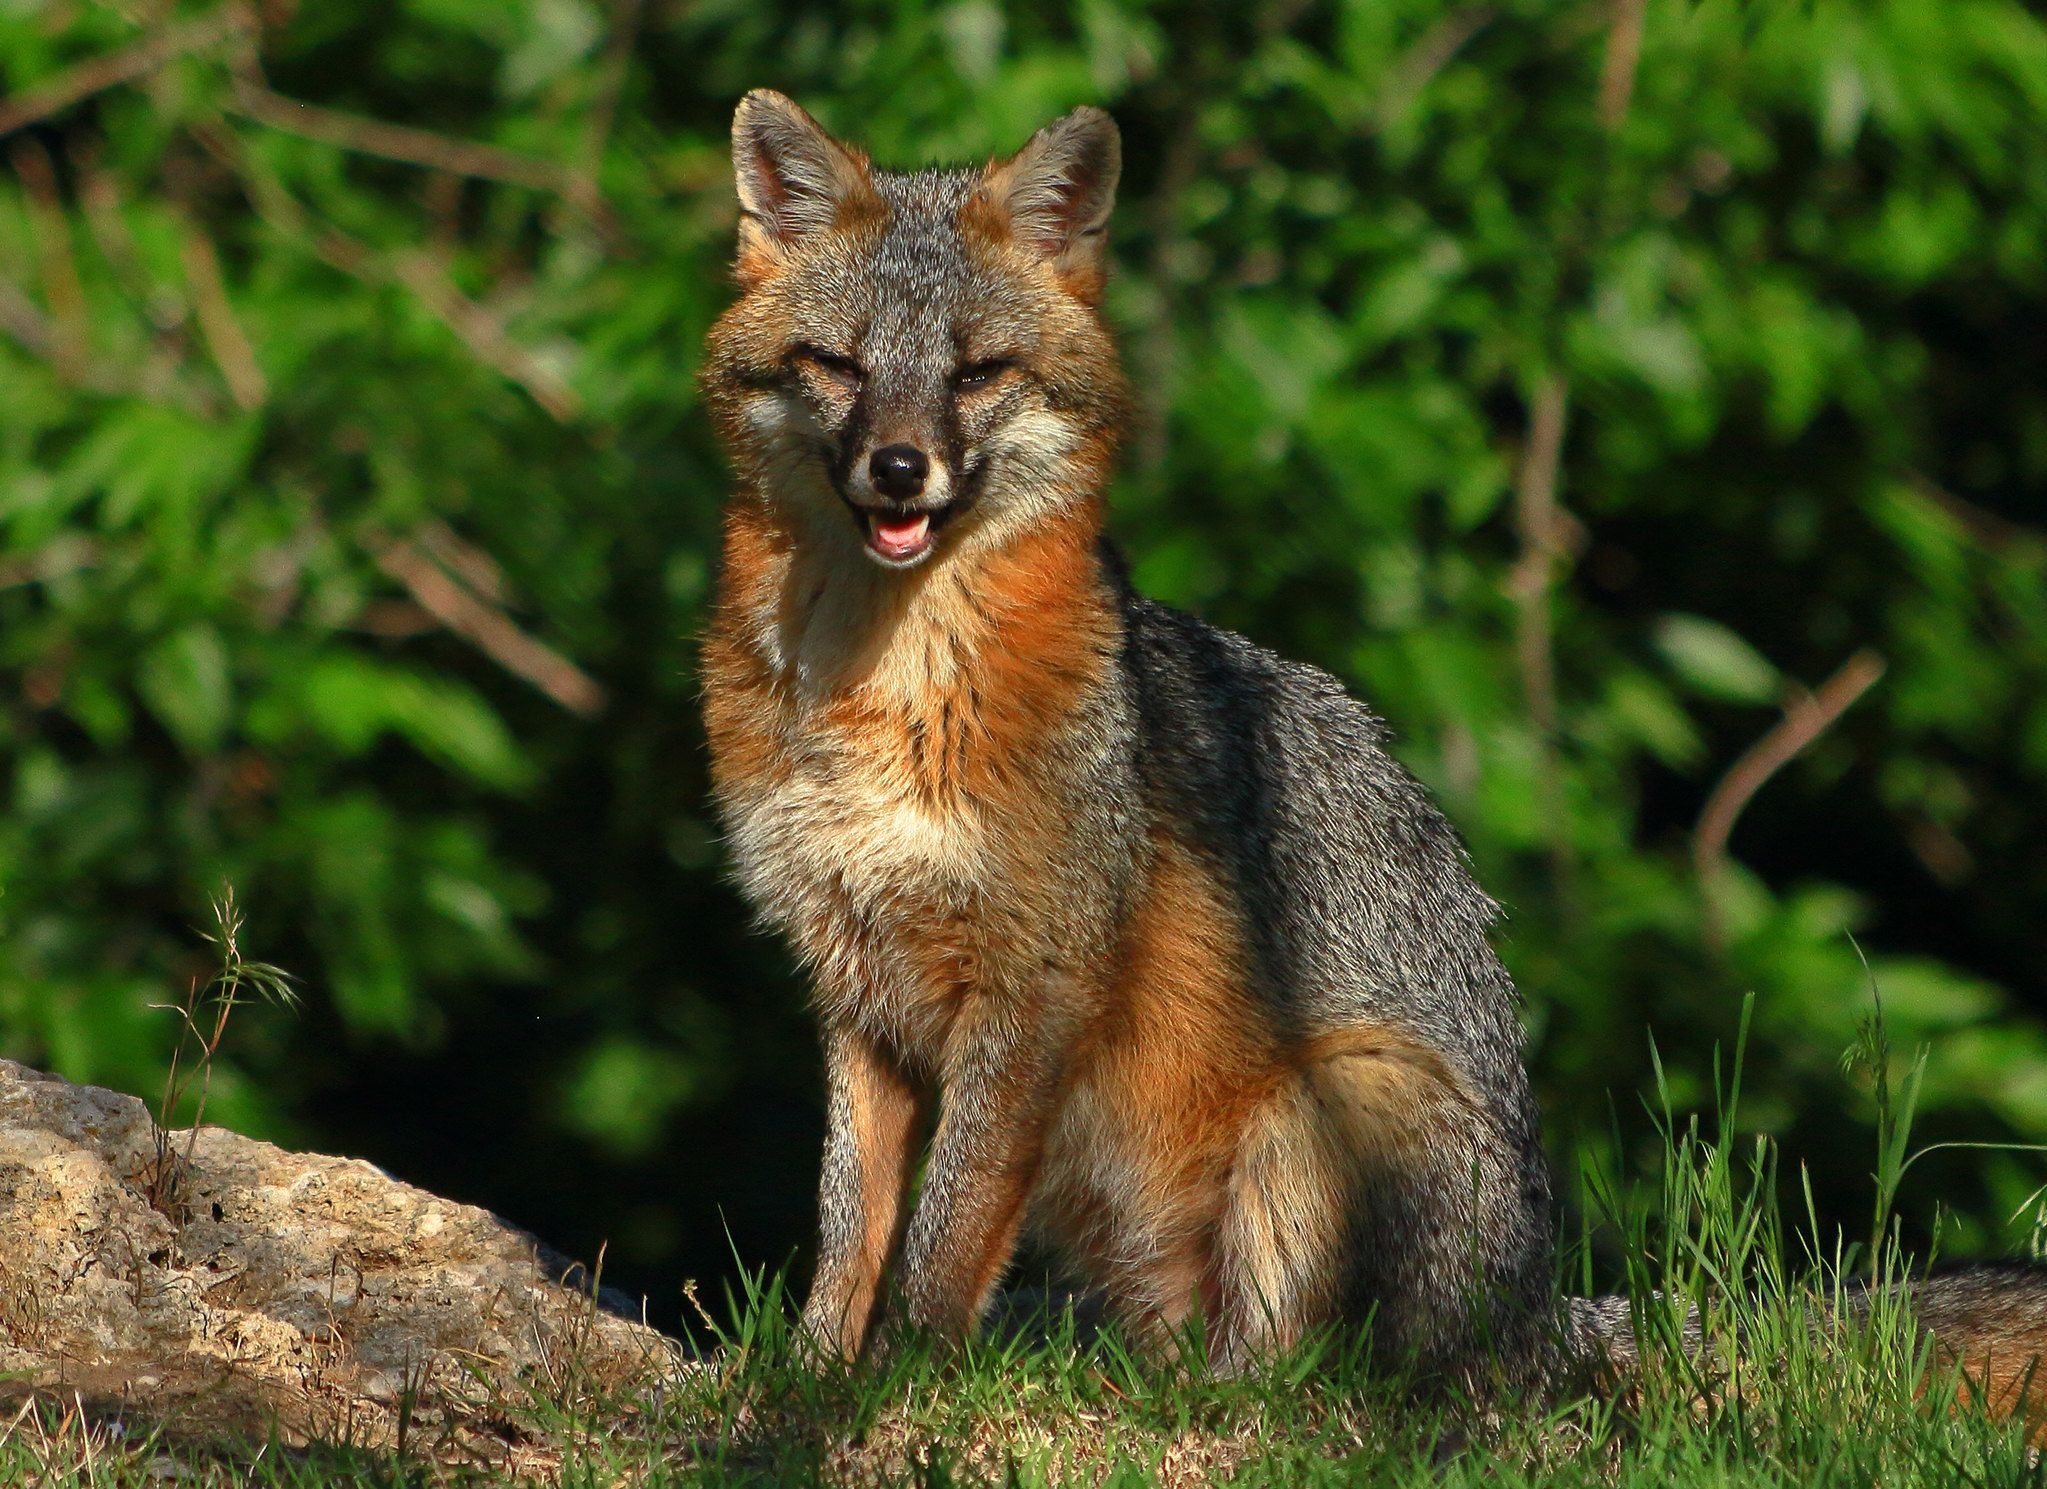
952,670
822,619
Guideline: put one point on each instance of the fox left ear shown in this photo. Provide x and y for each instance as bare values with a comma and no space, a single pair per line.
794,179
1057,191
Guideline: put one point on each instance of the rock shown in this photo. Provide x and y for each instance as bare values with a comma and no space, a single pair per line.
219,1279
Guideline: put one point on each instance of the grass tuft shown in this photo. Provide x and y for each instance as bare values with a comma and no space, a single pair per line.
203,1015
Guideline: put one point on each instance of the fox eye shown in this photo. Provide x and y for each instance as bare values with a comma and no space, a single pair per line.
834,365
980,374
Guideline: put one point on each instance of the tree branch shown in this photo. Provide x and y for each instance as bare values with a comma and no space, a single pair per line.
22,320
480,330
1544,532
1429,55
463,559
70,347
1985,526
225,338
1623,58
618,54
1547,532
1806,717
400,142
97,74
489,629
417,271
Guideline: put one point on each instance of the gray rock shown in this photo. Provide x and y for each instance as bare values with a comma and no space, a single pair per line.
258,1289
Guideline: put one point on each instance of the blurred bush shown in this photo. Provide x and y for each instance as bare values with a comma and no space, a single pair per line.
1610,391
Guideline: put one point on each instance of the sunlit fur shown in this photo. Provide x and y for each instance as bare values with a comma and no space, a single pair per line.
1137,926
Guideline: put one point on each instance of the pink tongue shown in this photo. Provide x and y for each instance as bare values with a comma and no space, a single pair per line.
898,539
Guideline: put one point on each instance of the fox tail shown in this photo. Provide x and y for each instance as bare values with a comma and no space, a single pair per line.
1987,1323
1990,1320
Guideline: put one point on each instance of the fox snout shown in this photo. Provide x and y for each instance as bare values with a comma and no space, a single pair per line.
902,502
898,471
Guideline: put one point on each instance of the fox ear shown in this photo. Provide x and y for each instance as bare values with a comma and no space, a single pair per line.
793,178
1057,190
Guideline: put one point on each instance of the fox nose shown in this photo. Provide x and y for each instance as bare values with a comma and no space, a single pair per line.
898,471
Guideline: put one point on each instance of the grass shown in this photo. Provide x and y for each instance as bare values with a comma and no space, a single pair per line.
1796,1406
203,1016
1759,1364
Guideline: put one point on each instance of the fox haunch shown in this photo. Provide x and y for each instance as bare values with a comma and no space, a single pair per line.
1136,927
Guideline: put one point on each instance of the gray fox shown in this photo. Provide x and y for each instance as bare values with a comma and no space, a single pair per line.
1136,927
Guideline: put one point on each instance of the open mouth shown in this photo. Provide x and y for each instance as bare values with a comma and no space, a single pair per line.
900,539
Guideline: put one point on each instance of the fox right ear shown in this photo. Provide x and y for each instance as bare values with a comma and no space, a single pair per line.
793,178
1055,193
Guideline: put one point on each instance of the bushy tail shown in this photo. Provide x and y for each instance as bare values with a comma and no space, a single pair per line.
1987,1319
1600,1333
1991,1320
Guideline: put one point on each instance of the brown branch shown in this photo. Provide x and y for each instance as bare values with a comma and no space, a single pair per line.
99,200
27,325
1945,856
1430,54
225,338
70,349
1546,531
1154,354
21,319
1806,717
399,142
618,54
1178,173
464,559
97,74
276,207
1985,526
486,627
1545,534
61,337
395,620
1538,524
416,271
1623,59
480,330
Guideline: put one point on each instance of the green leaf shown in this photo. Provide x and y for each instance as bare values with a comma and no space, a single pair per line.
184,680
1713,660
559,34
621,1092
353,701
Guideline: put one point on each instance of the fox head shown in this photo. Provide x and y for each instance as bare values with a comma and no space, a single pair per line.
916,363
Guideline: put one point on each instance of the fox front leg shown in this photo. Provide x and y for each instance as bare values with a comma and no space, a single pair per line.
1002,1079
873,1114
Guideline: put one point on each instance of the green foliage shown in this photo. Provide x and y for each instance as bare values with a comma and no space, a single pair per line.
356,516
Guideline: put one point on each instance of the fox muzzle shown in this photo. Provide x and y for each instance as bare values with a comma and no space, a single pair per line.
898,472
